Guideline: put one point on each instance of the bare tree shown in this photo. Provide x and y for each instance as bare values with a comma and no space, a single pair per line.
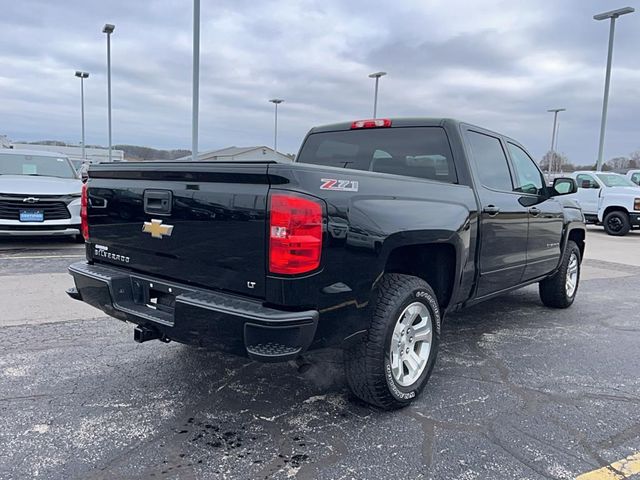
634,159
558,162
619,163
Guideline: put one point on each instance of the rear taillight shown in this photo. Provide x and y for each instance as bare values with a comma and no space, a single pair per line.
84,224
373,123
295,233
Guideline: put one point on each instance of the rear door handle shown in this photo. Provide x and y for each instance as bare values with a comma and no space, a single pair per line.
491,210
534,211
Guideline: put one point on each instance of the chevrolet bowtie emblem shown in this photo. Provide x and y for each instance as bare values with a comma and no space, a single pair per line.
157,229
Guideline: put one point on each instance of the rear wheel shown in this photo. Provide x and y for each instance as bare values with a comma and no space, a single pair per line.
391,365
617,223
559,290
78,238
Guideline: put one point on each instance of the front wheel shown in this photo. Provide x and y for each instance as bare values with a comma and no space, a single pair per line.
392,363
617,223
559,290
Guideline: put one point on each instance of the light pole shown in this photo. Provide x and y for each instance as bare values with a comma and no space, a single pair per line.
108,29
196,80
82,76
276,102
613,14
377,76
553,134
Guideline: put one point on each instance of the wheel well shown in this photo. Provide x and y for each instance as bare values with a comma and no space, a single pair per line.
434,263
578,237
608,210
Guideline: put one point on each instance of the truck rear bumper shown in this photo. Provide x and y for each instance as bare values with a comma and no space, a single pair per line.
171,311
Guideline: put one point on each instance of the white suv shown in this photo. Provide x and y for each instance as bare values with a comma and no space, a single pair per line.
609,199
39,194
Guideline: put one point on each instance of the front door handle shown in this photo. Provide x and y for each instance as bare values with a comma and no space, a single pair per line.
534,211
491,210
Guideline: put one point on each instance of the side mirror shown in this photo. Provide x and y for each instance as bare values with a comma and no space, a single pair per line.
564,186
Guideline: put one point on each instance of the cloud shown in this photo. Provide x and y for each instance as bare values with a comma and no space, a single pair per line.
500,64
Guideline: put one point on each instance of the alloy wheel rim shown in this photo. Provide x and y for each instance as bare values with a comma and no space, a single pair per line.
572,275
411,344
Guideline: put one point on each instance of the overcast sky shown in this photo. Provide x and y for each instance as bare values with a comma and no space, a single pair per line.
500,64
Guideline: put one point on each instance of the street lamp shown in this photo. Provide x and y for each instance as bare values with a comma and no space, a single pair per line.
82,76
108,29
196,80
613,14
377,76
276,102
553,134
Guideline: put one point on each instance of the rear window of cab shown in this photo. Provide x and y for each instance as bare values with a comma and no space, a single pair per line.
421,152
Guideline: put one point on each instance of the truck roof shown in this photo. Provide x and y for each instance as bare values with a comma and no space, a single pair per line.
578,172
395,122
412,122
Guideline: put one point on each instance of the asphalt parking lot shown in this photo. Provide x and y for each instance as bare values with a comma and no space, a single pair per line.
519,391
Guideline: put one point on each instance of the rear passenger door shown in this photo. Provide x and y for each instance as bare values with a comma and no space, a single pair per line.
546,218
504,221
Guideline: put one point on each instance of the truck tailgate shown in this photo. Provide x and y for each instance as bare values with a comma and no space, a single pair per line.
201,223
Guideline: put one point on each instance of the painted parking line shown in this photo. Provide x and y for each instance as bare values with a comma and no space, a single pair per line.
40,256
615,471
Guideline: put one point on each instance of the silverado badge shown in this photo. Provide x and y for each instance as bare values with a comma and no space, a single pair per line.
157,229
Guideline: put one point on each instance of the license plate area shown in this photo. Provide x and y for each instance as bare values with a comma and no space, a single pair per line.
31,215
154,295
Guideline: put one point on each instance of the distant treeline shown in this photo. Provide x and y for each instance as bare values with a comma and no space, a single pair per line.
131,152
134,152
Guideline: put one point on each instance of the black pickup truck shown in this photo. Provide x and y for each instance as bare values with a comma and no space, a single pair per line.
376,231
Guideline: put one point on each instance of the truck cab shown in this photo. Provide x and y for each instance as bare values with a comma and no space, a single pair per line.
634,176
609,199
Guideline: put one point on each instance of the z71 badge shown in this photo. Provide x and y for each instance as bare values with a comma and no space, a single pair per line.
339,185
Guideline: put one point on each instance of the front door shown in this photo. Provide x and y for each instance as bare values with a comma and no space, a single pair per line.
503,228
588,193
546,217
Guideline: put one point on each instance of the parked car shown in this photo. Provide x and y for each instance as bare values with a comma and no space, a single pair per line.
609,199
39,194
378,230
634,176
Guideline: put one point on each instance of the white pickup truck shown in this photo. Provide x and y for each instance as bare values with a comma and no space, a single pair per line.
609,199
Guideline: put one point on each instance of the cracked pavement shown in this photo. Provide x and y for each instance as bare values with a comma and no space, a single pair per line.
519,391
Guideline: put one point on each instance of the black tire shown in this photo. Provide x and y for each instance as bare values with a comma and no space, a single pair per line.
78,238
553,290
367,361
617,223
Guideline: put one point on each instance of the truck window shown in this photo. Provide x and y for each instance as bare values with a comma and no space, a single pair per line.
586,181
421,152
529,178
491,161
635,178
615,180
